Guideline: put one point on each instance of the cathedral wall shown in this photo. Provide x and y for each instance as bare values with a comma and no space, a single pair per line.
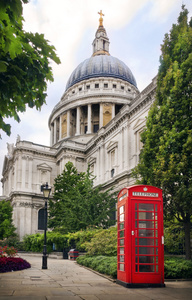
25,213
117,146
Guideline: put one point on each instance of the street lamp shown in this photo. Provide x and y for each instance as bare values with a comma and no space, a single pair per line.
46,193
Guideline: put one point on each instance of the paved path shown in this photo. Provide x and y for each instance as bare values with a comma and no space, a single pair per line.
66,280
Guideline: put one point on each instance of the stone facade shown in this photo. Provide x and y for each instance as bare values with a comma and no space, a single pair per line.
97,122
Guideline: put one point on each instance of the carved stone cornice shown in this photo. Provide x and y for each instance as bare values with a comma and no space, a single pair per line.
31,205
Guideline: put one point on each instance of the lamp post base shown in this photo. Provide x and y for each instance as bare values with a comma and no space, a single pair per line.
44,262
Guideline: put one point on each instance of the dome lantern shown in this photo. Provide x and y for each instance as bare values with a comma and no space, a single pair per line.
101,41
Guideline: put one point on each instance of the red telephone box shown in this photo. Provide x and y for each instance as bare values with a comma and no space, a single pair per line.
140,247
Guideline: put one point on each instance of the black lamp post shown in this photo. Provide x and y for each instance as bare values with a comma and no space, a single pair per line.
46,192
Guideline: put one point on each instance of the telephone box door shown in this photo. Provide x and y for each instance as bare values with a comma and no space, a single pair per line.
147,240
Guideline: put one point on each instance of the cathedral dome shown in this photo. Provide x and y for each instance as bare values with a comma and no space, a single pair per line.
101,66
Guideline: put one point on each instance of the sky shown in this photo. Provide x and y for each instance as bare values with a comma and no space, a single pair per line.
135,29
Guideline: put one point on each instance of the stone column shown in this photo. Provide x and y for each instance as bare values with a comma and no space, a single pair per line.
101,116
126,152
89,119
120,152
15,174
55,130
98,165
23,172
51,135
30,173
60,127
102,163
78,121
68,123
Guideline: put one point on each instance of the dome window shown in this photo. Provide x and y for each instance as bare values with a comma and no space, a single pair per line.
114,86
96,85
80,89
105,85
88,87
73,92
122,87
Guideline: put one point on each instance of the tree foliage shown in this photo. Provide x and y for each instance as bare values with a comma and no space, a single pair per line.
166,157
24,64
76,204
7,229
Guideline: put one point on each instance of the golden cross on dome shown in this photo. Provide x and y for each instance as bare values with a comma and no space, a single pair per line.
101,18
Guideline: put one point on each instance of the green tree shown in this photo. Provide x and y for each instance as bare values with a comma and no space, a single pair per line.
166,157
24,64
76,204
7,229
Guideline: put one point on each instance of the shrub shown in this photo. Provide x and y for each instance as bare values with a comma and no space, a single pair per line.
80,238
8,264
177,268
34,242
103,264
12,241
103,242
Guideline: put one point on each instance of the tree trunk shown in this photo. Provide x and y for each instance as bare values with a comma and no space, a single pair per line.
187,226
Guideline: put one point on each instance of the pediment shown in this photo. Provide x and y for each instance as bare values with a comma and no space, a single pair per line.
44,167
91,160
139,124
112,145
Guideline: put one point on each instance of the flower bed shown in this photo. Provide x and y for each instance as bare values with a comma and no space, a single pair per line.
8,261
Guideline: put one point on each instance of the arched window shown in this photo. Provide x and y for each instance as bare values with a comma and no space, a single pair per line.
41,219
103,45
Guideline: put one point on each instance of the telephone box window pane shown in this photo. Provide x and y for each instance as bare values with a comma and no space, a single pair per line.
146,224
156,251
121,267
146,268
136,259
146,233
146,206
121,242
156,233
146,216
121,259
156,216
121,218
146,242
156,259
146,259
156,225
146,250
121,226
156,242
122,250
121,210
122,233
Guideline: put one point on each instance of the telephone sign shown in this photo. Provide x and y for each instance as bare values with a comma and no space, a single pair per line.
140,257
